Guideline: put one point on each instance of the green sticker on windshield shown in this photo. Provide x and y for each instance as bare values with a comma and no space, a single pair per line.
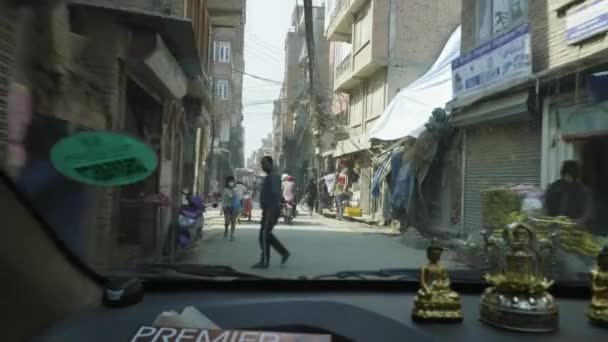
103,158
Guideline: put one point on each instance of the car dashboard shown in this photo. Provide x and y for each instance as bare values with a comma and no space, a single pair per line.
346,315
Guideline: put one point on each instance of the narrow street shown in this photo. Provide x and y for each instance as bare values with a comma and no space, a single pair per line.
318,246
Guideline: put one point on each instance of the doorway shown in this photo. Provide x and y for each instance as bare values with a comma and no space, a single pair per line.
594,172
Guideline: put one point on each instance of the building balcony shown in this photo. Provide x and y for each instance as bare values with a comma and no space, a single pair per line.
341,19
360,64
343,79
230,13
215,6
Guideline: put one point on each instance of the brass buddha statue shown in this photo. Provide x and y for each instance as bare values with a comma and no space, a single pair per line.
435,301
518,297
598,310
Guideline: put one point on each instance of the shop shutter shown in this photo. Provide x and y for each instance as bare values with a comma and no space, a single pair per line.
498,155
365,186
7,51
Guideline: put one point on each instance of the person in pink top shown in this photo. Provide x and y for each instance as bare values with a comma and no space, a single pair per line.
289,190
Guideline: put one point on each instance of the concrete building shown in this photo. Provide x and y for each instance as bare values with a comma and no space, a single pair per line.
228,30
277,133
130,66
298,140
380,47
535,98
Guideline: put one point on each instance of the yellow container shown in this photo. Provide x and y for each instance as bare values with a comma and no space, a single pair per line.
352,212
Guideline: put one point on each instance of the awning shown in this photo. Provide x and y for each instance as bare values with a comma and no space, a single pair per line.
220,151
382,171
584,120
327,153
351,145
510,105
411,108
177,33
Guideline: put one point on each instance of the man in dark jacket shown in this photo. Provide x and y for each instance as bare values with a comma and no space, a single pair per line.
569,197
270,202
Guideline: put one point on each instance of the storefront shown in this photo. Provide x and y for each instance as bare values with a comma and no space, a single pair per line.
353,154
578,132
497,154
494,107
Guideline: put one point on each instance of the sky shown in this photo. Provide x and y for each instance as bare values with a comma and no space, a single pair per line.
267,24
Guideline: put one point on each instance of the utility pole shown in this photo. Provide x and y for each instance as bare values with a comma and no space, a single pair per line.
312,57
213,115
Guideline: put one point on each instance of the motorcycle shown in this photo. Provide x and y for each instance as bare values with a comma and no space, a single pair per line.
190,222
289,211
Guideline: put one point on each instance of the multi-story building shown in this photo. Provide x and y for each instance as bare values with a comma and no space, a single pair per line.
136,67
298,142
277,134
228,31
529,94
379,48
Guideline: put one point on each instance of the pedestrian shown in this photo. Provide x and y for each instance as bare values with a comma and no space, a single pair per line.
311,196
270,202
289,190
230,207
323,195
60,201
341,192
240,190
568,196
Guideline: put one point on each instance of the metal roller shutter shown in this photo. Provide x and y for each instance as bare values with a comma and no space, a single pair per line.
498,155
7,51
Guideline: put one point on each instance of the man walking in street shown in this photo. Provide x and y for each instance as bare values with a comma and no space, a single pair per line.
270,201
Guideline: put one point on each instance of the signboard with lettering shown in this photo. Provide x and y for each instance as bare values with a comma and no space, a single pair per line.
583,121
168,334
504,58
103,158
586,20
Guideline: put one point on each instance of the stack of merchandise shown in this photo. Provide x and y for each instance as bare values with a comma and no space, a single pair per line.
502,206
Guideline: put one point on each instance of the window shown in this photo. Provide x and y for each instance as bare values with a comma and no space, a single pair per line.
222,89
495,17
221,51
363,29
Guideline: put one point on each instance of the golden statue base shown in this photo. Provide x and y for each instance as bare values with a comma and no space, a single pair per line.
598,316
425,311
536,312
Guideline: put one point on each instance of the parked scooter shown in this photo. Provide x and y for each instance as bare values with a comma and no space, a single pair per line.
190,222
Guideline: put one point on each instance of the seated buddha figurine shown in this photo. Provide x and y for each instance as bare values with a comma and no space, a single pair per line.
598,310
518,298
521,263
435,300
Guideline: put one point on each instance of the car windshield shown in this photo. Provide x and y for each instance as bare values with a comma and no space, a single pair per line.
301,139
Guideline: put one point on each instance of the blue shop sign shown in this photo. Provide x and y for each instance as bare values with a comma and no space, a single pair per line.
505,58
586,20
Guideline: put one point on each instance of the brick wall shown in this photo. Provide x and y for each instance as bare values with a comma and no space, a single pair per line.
91,95
422,28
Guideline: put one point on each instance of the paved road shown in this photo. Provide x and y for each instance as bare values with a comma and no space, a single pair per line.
318,246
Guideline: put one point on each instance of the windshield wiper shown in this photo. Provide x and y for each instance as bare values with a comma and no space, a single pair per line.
396,273
191,270
406,274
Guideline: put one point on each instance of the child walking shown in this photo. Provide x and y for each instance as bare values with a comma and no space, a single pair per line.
231,204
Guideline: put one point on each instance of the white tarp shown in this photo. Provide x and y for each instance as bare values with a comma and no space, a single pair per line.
411,108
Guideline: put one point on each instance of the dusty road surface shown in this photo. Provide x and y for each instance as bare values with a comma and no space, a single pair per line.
318,245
